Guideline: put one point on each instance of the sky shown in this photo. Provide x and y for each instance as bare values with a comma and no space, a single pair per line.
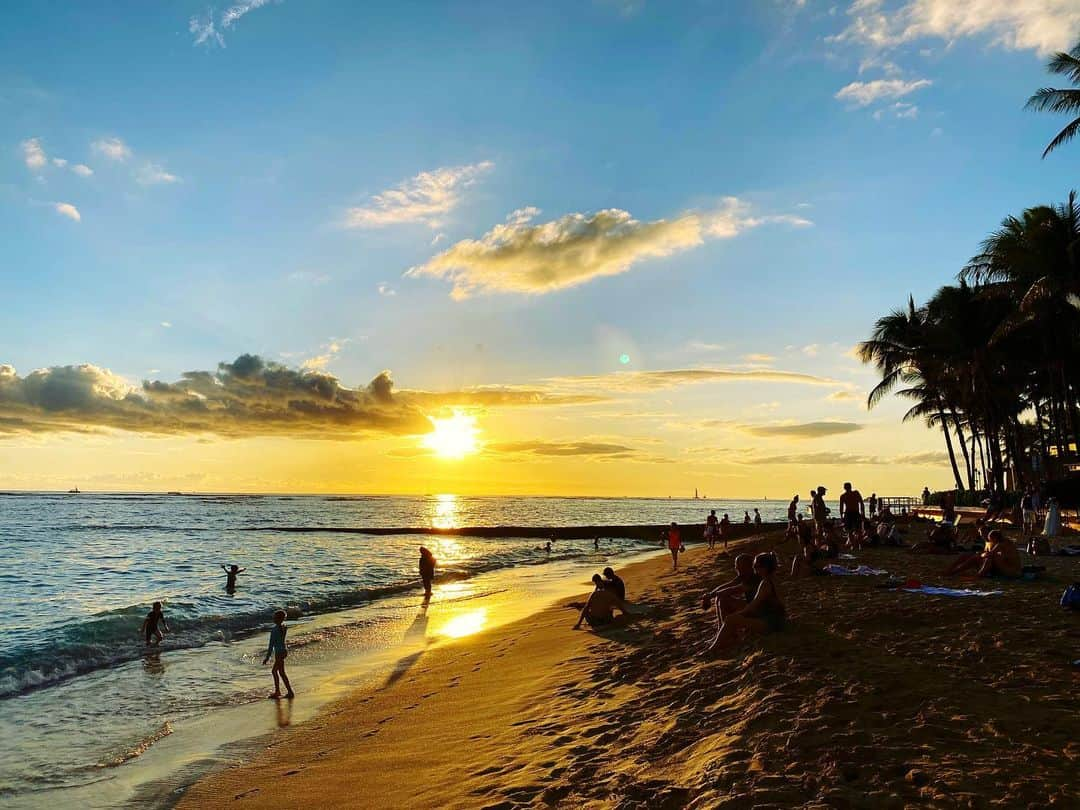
601,247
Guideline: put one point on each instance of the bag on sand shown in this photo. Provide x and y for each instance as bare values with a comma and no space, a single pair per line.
1071,597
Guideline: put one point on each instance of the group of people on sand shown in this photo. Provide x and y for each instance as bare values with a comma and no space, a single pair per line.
608,596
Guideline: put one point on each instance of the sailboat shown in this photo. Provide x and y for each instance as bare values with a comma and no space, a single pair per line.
696,498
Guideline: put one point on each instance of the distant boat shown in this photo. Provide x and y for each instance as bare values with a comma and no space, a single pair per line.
696,498
175,493
73,491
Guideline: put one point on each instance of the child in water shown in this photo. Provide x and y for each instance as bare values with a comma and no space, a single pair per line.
150,624
230,576
279,650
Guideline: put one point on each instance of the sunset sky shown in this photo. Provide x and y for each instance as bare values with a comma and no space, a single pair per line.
631,243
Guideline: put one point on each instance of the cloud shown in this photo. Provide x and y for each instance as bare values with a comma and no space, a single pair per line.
520,256
33,154
386,290
67,210
835,458
152,174
426,198
208,32
329,352
811,350
166,325
807,430
644,381
112,148
759,358
82,170
1039,25
59,162
562,449
247,397
846,396
862,94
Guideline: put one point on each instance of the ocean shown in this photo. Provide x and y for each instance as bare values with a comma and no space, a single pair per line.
88,715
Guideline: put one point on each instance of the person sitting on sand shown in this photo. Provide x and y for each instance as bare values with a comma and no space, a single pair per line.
613,582
736,593
940,539
280,651
427,569
599,609
1001,559
150,624
231,572
812,559
764,614
674,544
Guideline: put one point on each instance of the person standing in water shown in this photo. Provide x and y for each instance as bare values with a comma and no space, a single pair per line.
427,569
150,624
674,544
757,517
277,648
231,572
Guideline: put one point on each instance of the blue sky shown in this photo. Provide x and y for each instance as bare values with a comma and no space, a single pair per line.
227,175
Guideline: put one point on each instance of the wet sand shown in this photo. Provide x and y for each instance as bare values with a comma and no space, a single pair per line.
870,698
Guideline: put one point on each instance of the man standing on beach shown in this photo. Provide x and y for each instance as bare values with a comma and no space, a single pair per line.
819,509
873,504
852,512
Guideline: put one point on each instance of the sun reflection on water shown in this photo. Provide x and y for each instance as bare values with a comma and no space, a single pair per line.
445,514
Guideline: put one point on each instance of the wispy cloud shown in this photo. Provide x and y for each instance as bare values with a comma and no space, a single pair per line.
765,359
112,148
562,449
385,290
862,94
208,31
82,170
67,210
153,174
521,256
1039,25
806,430
846,396
59,162
33,154
426,198
329,351
644,381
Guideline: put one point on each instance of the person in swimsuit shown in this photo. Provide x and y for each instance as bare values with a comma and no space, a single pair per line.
599,609
231,572
613,582
1001,559
873,504
764,614
820,510
150,624
712,528
280,651
793,517
725,529
736,593
852,513
427,569
674,544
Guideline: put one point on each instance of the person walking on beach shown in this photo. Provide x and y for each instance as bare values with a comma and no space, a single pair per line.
277,648
427,569
725,530
674,544
231,572
712,528
872,503
150,625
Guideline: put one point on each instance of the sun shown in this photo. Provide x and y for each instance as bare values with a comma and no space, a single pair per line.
455,437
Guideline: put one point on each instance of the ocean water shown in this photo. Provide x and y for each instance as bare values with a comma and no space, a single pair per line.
82,702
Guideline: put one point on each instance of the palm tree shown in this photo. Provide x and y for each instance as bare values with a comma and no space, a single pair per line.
1049,99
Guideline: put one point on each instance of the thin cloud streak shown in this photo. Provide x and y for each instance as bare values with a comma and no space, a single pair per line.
426,198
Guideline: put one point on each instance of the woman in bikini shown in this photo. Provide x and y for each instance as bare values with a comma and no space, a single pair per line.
765,614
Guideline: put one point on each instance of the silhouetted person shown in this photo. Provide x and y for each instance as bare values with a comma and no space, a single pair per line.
614,582
427,569
280,651
674,544
150,624
230,577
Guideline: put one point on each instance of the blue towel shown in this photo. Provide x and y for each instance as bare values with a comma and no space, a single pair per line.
935,591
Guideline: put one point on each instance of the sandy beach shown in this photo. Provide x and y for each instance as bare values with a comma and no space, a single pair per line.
869,698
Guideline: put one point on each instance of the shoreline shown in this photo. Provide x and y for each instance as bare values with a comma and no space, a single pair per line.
870,698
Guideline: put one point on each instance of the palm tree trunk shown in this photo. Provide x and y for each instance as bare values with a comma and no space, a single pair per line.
963,446
952,454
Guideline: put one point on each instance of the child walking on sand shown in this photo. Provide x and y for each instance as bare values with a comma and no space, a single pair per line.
279,650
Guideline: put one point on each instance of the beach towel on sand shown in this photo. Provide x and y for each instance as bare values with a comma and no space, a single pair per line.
861,571
935,591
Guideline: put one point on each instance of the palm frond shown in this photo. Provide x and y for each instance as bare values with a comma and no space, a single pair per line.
1052,99
1064,136
1066,64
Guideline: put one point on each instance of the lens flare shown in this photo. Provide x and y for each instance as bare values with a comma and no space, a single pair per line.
454,437
624,359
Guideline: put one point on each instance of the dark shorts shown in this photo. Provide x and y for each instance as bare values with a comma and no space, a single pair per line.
852,521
